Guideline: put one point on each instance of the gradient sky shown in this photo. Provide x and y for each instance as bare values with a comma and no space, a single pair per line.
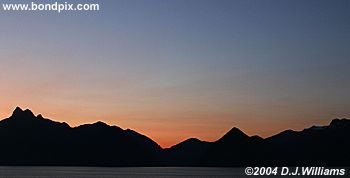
174,69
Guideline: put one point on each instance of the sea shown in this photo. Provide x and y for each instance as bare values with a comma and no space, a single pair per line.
118,172
130,172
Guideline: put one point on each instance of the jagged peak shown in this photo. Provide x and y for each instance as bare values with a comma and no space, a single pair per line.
236,130
18,109
28,111
335,123
19,113
234,134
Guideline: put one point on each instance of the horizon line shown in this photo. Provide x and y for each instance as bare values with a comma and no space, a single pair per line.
111,125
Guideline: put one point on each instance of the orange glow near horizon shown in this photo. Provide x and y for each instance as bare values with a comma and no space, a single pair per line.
167,114
173,70
165,132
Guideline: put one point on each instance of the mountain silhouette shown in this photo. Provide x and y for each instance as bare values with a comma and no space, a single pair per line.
27,139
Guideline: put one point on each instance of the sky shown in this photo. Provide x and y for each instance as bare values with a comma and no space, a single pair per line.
175,69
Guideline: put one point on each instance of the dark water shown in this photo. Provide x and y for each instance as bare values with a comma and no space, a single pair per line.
132,172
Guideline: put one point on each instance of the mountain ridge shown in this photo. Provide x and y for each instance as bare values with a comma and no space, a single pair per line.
35,140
